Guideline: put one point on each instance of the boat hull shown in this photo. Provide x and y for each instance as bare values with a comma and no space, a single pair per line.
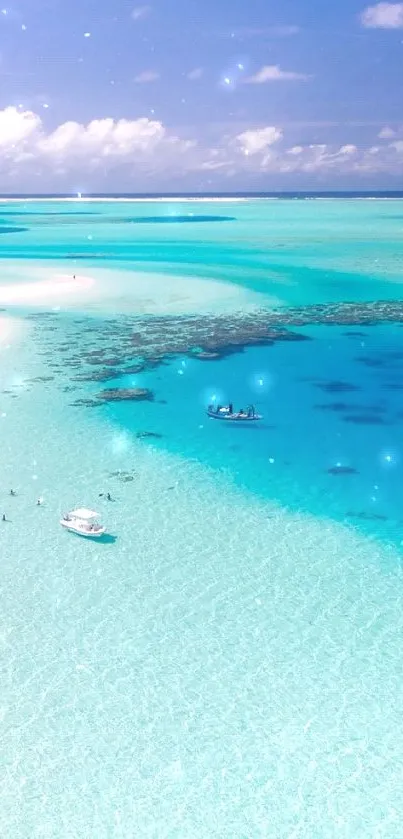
232,417
95,534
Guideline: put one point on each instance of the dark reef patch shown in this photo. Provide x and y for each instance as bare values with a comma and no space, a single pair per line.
343,407
341,314
99,375
126,394
337,387
5,229
366,516
366,419
342,470
117,394
370,362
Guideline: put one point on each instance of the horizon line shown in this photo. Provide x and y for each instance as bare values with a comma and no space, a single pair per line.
197,195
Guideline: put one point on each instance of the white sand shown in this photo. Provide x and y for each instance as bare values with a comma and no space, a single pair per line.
59,288
125,291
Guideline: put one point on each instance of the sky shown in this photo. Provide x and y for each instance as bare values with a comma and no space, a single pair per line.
184,95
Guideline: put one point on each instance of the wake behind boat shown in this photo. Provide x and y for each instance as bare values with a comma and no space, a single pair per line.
83,522
228,414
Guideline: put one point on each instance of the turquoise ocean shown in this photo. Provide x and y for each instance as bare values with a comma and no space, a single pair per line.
227,663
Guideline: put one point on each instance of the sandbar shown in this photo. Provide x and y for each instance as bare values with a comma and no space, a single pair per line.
58,288
126,292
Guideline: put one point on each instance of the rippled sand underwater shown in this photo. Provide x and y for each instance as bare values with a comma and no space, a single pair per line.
224,666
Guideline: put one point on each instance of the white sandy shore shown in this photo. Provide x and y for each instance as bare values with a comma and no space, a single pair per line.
124,291
58,288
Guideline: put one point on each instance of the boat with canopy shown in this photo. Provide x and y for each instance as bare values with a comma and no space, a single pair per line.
83,522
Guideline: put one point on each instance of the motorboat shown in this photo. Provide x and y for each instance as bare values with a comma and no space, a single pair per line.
83,522
228,414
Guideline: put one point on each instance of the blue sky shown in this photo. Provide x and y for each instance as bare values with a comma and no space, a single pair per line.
99,95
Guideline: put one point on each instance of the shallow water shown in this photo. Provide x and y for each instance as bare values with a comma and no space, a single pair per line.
227,663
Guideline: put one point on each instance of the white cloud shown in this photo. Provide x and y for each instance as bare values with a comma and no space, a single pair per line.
348,149
147,76
102,138
325,159
17,128
73,146
214,165
383,16
259,139
386,133
273,73
195,74
145,148
140,12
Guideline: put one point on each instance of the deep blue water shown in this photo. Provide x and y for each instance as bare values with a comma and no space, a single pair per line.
334,403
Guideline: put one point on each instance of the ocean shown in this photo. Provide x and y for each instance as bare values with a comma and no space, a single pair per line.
226,663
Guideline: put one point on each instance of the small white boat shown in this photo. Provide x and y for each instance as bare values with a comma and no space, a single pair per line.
83,522
227,413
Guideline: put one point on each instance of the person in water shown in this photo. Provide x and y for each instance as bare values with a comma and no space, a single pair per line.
13,492
230,408
4,517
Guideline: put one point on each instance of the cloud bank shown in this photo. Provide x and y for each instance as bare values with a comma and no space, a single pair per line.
75,153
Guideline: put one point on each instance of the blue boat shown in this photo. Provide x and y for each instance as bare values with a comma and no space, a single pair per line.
228,414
